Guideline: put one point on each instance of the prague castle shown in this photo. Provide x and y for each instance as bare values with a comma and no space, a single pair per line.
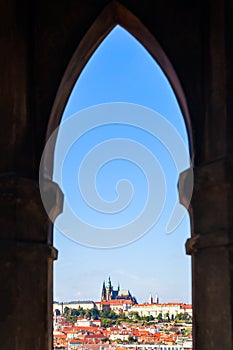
108,293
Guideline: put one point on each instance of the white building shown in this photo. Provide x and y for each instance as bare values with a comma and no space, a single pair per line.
118,305
83,322
73,305
171,309
122,336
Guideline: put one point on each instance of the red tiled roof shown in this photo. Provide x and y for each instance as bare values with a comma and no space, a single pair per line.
116,302
186,306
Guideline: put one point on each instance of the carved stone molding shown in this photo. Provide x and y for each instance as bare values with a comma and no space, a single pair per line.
27,250
22,212
208,240
212,198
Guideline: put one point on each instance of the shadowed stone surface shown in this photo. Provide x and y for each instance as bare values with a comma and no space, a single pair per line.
37,41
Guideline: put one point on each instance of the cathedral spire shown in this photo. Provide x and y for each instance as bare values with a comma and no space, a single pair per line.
150,299
109,282
103,294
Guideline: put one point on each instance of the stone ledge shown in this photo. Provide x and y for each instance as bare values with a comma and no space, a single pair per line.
216,174
23,214
27,249
212,198
208,240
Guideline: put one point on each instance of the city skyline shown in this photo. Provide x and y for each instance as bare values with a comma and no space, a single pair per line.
152,299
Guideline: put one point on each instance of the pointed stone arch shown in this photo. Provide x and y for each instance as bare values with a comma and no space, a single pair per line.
112,15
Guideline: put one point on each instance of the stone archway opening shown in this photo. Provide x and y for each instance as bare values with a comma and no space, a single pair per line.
75,67
120,71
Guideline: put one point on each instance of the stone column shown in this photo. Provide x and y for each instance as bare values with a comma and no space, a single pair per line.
26,267
211,247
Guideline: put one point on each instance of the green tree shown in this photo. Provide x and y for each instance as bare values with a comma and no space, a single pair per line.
87,313
135,315
186,316
179,317
66,311
107,313
94,314
131,339
81,312
106,322
160,317
149,318
57,312
104,340
75,312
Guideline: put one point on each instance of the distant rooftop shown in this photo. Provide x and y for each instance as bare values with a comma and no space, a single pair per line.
74,302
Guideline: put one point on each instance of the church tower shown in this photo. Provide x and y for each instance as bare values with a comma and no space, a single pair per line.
109,290
150,299
103,294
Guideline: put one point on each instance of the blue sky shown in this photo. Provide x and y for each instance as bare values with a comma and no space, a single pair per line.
121,70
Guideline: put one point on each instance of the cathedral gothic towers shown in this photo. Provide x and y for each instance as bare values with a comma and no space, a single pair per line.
108,293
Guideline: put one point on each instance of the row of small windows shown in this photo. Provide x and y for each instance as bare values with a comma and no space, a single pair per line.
163,347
